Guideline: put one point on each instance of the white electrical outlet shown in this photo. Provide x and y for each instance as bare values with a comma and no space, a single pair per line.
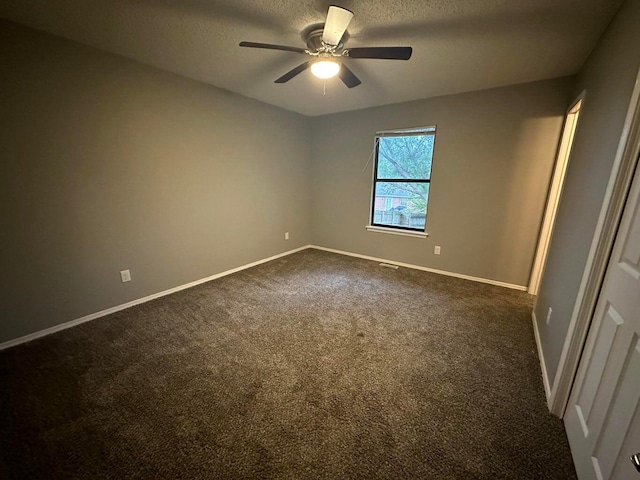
549,315
436,250
125,276
286,235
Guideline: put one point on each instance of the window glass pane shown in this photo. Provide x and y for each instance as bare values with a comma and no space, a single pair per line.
401,204
407,156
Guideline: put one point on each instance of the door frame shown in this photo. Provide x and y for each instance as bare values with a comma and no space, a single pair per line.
565,146
624,165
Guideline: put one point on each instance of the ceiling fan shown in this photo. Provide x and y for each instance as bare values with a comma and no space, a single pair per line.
326,44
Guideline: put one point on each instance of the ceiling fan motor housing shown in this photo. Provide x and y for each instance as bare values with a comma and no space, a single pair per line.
313,39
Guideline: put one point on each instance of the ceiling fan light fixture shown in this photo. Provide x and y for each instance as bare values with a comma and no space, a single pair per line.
325,68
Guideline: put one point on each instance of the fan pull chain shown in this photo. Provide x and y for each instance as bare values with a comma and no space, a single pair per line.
324,87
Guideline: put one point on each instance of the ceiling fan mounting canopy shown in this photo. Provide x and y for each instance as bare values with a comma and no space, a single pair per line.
312,36
326,41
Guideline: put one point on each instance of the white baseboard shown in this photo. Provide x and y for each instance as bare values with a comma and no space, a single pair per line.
425,269
117,308
543,367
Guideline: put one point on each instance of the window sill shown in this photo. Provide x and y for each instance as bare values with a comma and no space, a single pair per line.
393,231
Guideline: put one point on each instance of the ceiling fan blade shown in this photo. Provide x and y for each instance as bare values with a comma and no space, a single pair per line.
338,19
292,73
348,77
385,53
269,46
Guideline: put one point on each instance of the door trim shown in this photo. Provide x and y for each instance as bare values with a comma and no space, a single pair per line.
563,157
624,165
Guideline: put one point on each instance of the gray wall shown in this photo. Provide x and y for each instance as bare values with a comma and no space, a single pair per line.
493,159
608,78
107,165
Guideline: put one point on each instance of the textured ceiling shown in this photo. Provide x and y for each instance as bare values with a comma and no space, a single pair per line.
458,45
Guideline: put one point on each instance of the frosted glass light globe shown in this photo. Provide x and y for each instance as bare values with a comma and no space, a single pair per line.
325,68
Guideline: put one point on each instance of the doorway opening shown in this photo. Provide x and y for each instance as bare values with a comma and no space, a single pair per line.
555,191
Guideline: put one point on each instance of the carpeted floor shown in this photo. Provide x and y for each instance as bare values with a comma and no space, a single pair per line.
313,366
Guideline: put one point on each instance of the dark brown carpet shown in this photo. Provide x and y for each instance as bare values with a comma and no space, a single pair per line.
313,366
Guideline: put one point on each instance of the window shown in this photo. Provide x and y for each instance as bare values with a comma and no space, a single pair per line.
401,178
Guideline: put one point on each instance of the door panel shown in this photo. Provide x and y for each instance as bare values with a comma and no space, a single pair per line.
602,417
621,412
604,345
624,469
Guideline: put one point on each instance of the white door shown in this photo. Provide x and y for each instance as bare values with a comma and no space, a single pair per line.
603,416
